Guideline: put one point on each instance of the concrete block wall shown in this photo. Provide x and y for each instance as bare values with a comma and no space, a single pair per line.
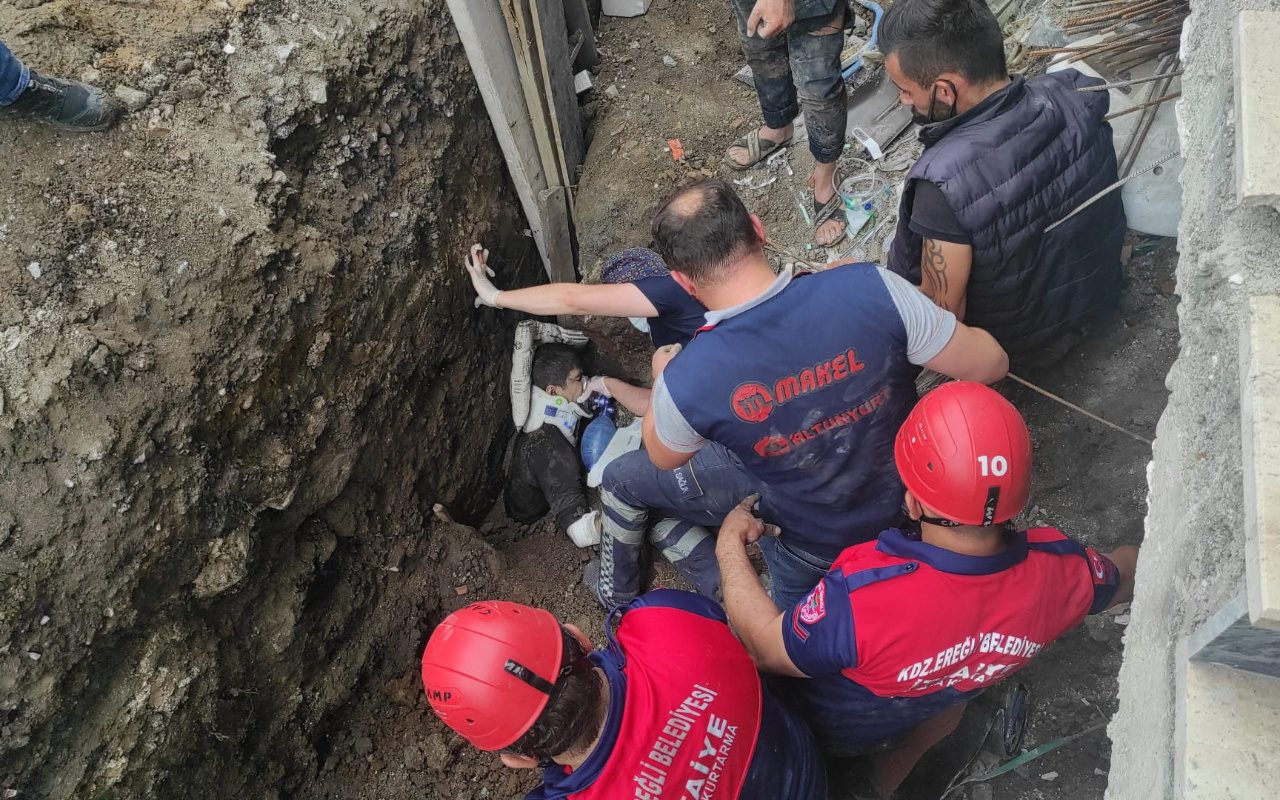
1256,64
1260,426
1193,560
1233,734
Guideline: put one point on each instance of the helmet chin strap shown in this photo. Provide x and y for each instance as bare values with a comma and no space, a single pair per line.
988,513
540,683
523,673
945,523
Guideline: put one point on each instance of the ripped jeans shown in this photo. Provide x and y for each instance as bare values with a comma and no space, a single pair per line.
798,70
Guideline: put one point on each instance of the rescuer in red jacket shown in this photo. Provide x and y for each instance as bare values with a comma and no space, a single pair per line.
672,709
904,630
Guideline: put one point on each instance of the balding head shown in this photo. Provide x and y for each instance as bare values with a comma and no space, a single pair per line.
703,229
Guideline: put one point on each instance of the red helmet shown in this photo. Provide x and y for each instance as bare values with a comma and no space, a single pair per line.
489,670
965,453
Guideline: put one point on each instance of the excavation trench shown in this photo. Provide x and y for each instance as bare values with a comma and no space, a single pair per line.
246,370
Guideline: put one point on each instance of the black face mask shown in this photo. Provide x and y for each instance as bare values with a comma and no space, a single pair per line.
921,119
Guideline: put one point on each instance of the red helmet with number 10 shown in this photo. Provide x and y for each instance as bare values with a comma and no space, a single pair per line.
965,453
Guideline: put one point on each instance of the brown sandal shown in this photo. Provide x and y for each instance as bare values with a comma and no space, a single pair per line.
758,149
829,211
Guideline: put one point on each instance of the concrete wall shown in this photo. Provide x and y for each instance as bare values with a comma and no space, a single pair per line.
1192,562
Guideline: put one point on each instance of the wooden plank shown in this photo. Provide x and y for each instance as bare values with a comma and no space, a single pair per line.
555,209
524,28
557,72
483,31
578,17
521,28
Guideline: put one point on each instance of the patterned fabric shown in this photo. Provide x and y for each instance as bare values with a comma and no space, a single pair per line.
631,265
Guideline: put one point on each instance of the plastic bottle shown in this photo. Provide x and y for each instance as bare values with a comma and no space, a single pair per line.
599,431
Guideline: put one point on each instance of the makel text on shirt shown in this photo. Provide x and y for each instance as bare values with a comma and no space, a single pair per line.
754,401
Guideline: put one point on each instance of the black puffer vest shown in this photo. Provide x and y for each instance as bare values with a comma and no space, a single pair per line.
1010,168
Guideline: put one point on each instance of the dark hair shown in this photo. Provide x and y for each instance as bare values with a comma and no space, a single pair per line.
574,713
702,228
931,37
552,364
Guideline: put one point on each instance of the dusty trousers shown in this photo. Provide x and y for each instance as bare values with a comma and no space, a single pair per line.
799,70
14,77
672,509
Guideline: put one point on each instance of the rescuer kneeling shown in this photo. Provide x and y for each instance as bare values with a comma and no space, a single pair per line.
672,707
904,630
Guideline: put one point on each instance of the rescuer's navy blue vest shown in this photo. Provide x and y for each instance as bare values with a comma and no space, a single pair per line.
808,389
1009,169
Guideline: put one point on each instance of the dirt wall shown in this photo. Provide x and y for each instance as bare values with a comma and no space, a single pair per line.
1192,560
238,364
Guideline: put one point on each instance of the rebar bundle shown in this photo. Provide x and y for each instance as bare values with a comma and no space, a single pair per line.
1132,32
1126,34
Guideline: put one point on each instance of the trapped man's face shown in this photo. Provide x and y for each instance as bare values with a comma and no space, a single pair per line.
573,387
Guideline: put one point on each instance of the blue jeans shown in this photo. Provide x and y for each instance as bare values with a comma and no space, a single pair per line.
792,573
797,69
684,501
14,76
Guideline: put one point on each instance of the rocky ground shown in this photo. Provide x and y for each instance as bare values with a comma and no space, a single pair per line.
239,364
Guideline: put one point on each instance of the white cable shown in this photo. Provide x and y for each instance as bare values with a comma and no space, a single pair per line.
1113,187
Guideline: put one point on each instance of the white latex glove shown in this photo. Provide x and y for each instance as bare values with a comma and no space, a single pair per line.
586,531
594,385
486,292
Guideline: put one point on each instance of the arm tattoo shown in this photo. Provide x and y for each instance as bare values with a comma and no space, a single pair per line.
934,273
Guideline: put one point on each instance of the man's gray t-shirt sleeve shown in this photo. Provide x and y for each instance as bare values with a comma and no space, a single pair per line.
929,328
674,431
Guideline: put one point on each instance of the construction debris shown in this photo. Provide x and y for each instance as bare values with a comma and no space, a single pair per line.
1128,32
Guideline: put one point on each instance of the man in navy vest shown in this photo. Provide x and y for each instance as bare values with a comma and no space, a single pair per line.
805,381
985,223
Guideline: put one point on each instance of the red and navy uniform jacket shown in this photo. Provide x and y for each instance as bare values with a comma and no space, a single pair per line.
900,630
808,390
688,718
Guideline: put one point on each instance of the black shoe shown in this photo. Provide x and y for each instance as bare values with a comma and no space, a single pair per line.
67,105
591,579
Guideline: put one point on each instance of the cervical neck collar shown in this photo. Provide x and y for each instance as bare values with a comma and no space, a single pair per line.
545,409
